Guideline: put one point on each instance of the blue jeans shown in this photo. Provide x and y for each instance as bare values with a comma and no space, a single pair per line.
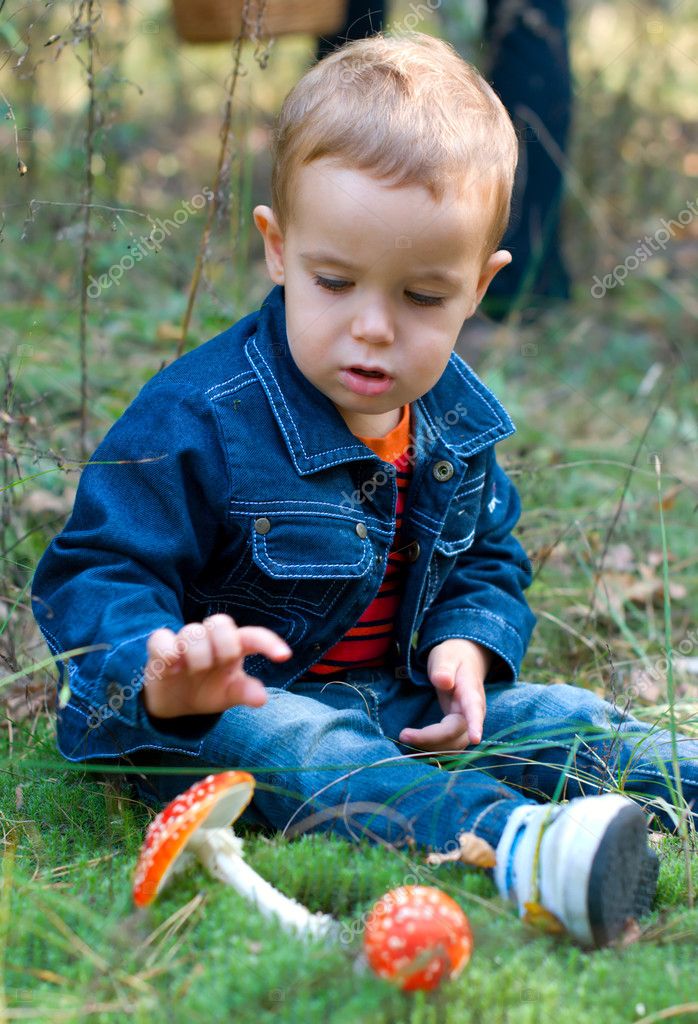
325,757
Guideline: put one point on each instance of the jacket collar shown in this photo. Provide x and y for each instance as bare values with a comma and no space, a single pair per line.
459,410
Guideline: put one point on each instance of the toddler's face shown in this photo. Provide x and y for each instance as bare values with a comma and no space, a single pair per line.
376,277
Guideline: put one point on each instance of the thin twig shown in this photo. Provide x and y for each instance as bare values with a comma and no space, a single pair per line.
87,215
671,692
218,182
619,508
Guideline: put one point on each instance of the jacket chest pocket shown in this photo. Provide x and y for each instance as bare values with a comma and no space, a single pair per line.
456,537
301,561
458,531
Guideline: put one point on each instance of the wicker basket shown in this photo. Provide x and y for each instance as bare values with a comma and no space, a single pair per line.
214,21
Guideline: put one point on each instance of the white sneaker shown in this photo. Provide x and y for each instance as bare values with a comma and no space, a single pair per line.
587,862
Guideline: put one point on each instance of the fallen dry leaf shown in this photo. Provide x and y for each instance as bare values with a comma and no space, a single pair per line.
669,497
645,689
540,918
472,850
622,587
167,331
619,557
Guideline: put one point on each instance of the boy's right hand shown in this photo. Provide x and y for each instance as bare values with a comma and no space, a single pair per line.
198,671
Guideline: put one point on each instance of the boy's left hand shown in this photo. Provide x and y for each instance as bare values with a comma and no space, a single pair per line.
457,669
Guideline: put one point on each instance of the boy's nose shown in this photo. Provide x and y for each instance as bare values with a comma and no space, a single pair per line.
373,322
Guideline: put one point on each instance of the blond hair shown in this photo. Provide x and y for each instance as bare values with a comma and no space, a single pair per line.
407,109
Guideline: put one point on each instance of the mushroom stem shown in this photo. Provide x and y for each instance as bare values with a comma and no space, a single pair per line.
220,850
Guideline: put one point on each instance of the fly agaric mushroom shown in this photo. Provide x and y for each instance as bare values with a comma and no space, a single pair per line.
198,819
415,935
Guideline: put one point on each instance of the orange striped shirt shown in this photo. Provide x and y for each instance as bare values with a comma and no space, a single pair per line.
368,643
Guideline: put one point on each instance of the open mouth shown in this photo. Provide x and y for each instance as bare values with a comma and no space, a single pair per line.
368,373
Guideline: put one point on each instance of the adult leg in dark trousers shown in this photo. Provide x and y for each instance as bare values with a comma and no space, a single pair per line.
530,71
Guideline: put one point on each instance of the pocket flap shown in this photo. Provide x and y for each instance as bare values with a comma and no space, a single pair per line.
290,546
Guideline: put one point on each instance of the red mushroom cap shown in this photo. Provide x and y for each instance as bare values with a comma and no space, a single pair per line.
213,802
415,935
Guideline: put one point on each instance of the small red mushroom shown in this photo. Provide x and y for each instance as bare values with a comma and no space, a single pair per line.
415,935
199,819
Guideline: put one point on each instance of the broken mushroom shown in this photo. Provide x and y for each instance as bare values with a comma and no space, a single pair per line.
415,935
199,821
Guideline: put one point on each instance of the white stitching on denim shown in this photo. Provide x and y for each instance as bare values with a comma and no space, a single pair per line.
486,810
257,508
468,446
238,376
55,646
454,547
328,451
473,479
123,643
477,489
482,391
75,709
425,412
366,557
426,522
490,615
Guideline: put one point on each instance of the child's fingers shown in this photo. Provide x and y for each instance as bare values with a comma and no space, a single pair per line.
163,655
448,734
225,639
230,642
198,649
442,680
246,690
475,716
260,640
471,694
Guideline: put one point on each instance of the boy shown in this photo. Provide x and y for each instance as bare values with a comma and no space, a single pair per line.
312,498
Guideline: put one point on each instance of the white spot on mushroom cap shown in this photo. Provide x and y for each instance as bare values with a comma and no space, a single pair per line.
166,834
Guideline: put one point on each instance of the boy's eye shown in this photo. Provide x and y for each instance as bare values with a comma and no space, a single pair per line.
332,285
426,300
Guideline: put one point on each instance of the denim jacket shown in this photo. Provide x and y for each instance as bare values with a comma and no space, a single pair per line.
232,484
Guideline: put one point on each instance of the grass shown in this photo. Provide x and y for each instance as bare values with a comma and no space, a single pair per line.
75,943
596,390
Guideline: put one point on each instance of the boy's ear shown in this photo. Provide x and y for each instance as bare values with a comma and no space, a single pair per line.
273,242
496,262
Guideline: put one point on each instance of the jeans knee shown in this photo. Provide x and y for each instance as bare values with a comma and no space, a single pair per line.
344,736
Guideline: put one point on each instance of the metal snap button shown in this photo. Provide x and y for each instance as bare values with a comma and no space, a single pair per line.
379,559
361,530
262,525
442,470
413,551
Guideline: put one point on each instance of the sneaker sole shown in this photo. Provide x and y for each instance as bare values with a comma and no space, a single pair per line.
623,876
